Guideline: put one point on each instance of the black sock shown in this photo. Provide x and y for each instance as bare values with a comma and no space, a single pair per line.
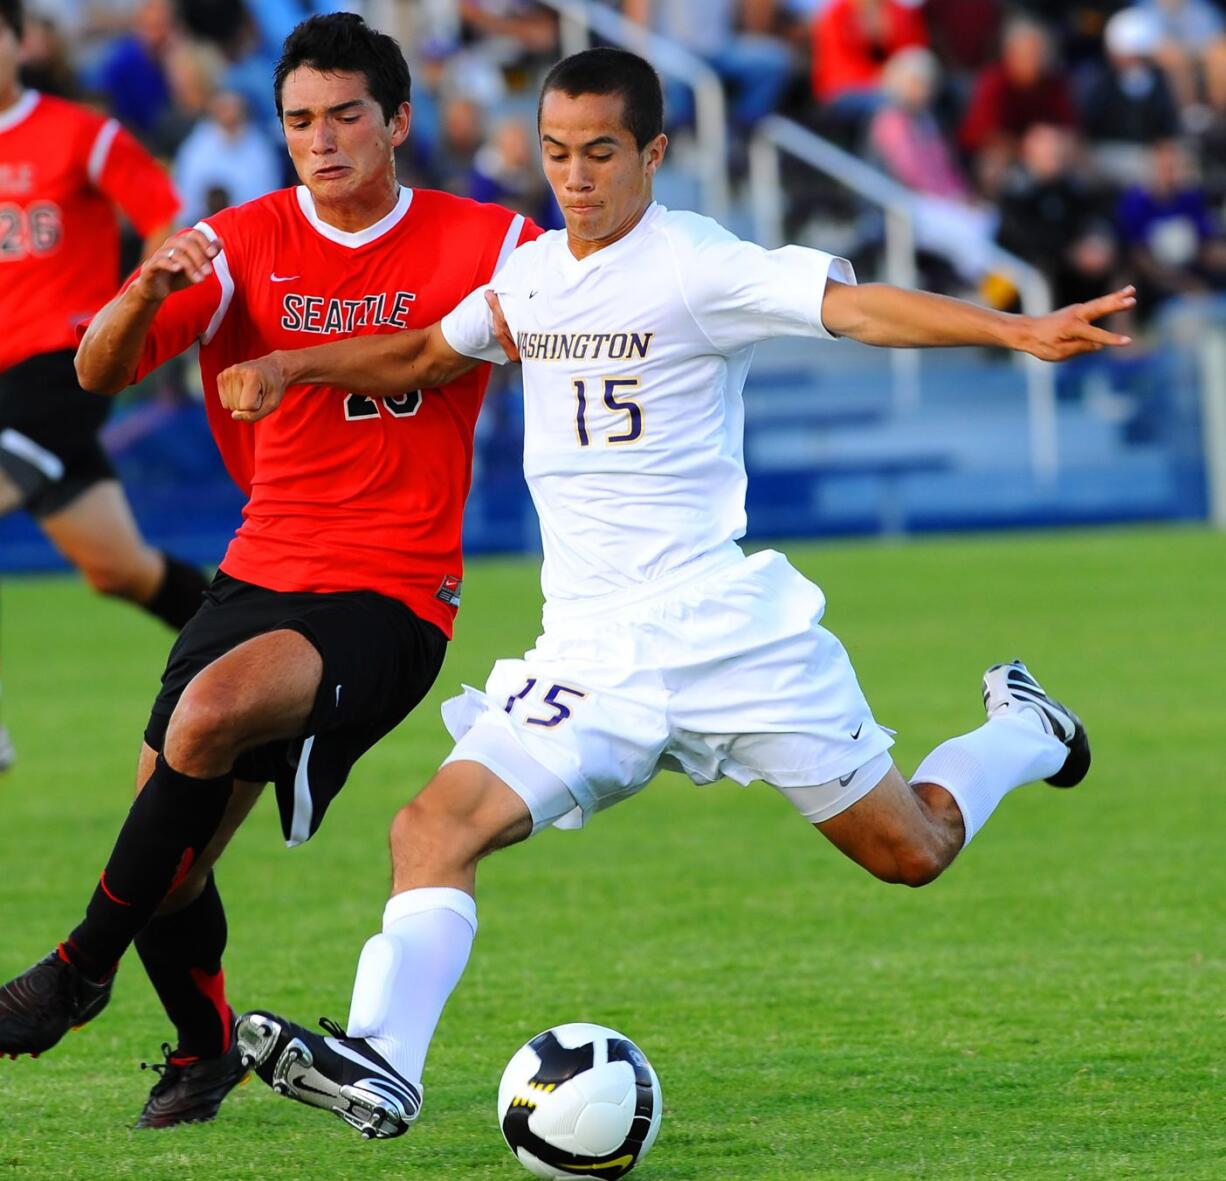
179,595
169,825
182,955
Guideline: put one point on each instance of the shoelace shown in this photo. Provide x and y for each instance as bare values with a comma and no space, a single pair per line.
333,1028
169,1071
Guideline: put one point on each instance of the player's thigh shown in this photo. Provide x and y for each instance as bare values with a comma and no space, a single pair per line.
11,496
572,737
260,690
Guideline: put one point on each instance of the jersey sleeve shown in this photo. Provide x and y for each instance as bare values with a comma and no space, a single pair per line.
740,294
468,328
133,179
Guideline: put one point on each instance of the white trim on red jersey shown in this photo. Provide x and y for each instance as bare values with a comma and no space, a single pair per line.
221,268
16,113
510,241
101,149
357,237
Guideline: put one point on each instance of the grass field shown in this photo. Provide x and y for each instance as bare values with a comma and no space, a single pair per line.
1052,1008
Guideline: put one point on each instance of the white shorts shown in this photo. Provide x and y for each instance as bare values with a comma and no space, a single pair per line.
719,670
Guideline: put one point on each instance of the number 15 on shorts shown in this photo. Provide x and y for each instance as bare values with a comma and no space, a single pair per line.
553,698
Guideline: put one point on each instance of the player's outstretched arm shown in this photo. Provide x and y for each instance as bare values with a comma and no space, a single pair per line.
880,314
111,348
380,366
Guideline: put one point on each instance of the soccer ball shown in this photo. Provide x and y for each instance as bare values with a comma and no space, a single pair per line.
579,1101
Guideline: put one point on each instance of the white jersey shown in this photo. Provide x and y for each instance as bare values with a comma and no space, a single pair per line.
634,361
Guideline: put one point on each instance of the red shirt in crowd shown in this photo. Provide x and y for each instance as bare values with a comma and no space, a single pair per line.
345,492
1000,107
849,52
63,170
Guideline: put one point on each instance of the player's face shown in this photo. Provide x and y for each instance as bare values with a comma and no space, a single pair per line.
338,139
9,47
601,180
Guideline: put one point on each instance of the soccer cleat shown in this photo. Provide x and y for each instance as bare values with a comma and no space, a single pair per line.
190,1091
338,1073
42,1004
1010,687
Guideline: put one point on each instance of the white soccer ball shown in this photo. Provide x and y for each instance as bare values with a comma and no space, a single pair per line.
579,1100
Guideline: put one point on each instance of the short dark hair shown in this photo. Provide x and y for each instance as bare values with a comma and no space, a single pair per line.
613,71
343,41
11,15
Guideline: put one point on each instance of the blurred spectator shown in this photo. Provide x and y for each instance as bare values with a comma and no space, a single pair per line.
1024,88
506,170
852,41
1166,227
1187,31
45,63
248,58
755,67
225,152
449,162
1052,218
905,138
964,33
132,73
904,135
1129,106
512,29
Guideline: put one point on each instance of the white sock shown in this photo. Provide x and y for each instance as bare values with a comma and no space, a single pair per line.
980,768
407,973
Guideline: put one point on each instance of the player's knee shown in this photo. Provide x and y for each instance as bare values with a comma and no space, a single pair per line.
202,727
113,579
913,865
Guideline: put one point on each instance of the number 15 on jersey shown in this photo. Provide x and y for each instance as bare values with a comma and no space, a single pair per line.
614,395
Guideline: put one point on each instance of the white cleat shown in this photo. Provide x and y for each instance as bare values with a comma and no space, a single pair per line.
1008,688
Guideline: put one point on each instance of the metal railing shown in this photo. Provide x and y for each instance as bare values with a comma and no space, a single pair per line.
775,136
580,19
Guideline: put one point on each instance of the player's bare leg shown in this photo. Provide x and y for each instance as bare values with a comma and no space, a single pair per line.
97,533
910,832
260,691
370,1074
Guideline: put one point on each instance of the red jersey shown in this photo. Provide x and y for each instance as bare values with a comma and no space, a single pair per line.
346,492
63,169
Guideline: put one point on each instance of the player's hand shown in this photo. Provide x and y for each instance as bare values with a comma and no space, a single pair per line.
1070,331
177,264
252,390
502,329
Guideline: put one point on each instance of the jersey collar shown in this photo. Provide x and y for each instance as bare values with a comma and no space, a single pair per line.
357,237
16,113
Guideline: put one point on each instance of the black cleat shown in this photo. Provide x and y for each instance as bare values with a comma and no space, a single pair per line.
42,1004
1012,686
190,1092
338,1073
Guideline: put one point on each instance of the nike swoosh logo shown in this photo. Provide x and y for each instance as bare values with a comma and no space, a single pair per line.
283,278
299,1085
844,780
531,294
856,732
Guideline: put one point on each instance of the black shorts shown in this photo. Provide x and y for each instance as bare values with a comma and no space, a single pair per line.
379,661
49,432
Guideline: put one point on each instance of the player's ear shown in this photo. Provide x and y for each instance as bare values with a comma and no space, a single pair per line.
653,153
401,121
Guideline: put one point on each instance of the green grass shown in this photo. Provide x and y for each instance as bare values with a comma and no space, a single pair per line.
1052,1008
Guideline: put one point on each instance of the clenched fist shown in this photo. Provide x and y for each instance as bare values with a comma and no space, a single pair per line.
253,389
